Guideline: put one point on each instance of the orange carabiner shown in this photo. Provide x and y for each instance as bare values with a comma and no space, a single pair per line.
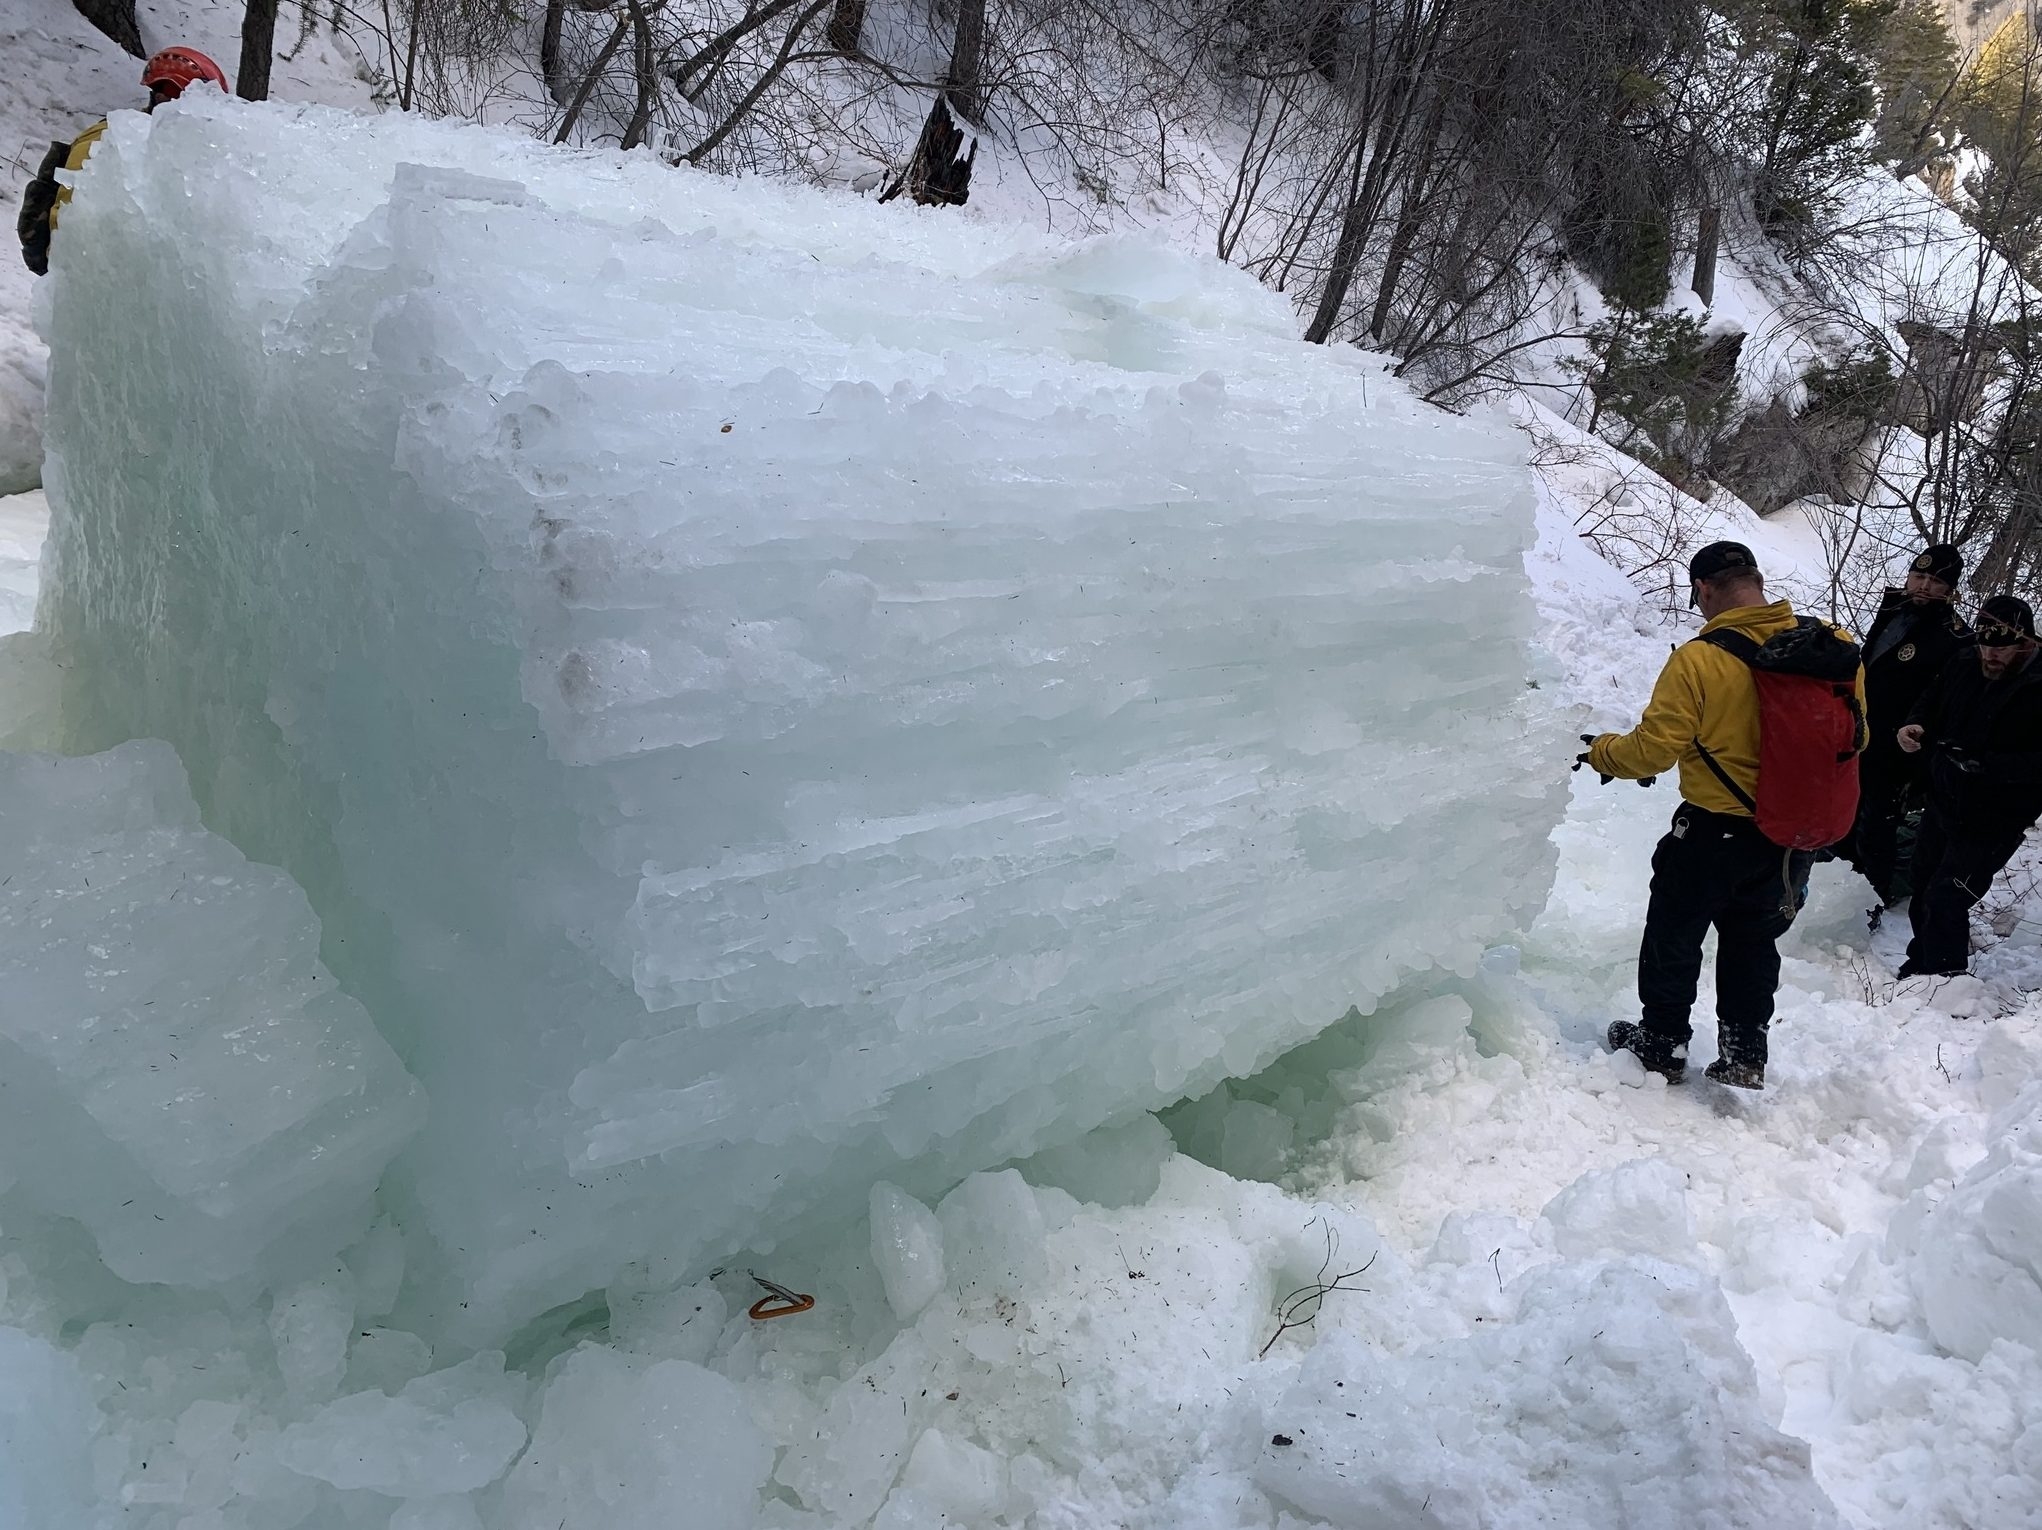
779,1301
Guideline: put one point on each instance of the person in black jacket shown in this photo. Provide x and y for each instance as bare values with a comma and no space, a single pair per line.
1980,729
1916,632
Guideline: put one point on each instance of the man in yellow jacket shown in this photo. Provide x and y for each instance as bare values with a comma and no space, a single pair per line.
1713,867
166,77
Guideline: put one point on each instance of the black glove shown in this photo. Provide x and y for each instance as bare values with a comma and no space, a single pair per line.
1603,777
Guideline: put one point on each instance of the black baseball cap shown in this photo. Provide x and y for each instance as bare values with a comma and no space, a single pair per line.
1942,561
1719,558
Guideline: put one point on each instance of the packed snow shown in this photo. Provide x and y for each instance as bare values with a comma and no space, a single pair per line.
1448,1264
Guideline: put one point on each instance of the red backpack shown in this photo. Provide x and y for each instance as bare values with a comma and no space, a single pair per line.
1810,732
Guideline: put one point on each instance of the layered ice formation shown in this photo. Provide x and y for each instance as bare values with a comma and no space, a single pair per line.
178,1073
768,693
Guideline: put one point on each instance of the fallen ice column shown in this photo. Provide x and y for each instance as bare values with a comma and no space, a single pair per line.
177,1072
765,691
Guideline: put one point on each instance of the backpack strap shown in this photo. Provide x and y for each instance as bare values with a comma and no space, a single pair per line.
1723,775
1742,646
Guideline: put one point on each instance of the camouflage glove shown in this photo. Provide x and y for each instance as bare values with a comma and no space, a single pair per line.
1603,777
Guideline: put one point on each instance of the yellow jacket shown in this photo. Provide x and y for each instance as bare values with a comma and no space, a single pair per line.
81,150
1708,694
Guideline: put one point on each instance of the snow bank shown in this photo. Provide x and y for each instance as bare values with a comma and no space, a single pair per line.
1611,1397
177,1071
767,692
1977,1257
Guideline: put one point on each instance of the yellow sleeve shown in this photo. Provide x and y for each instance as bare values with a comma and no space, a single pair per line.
1672,719
81,150
1864,717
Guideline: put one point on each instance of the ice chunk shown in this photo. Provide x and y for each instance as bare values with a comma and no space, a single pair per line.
47,1421
447,1433
310,1326
1111,1166
623,1445
30,692
1255,1140
907,1248
955,1477
993,1235
441,1513
767,694
178,1071
670,1325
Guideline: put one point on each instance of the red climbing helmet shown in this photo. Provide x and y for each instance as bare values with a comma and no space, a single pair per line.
173,69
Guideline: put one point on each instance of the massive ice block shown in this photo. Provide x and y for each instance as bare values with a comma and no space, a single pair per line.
177,1071
766,691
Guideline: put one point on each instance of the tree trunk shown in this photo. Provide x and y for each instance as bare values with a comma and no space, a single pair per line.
116,18
936,176
258,45
1708,239
647,79
549,51
847,22
962,82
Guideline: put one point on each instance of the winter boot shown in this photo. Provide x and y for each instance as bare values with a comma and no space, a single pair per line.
1737,1075
1658,1055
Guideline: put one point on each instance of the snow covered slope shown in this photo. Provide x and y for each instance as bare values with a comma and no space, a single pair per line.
763,691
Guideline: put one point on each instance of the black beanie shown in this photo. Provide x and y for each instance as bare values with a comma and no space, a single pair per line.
1942,561
2010,611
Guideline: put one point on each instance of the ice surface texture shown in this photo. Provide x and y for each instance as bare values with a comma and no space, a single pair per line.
177,1070
768,692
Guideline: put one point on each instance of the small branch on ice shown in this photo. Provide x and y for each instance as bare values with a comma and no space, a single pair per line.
1300,1309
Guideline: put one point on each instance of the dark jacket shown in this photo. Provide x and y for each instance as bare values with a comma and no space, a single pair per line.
1983,742
32,222
1905,649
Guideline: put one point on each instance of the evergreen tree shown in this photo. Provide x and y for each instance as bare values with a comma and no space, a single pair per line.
1818,100
1916,67
2000,106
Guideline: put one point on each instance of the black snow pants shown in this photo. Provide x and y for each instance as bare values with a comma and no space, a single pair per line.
1882,804
1717,869
1952,870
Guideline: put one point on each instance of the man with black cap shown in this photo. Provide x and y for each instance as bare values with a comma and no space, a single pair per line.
1915,634
1980,729
1713,867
